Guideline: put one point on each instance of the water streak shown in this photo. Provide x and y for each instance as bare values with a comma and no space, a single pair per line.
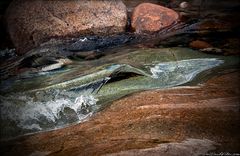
185,68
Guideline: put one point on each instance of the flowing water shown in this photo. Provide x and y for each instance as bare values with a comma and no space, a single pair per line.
51,100
47,100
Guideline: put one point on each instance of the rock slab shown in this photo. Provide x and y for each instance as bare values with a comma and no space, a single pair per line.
31,23
148,17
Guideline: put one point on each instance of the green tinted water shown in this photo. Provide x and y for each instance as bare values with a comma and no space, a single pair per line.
49,100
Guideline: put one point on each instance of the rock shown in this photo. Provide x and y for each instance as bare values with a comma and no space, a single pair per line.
198,44
193,147
212,50
59,64
205,47
184,5
31,23
99,42
131,4
151,120
148,17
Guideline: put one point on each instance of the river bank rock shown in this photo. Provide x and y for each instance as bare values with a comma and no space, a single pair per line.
184,120
148,17
31,23
199,44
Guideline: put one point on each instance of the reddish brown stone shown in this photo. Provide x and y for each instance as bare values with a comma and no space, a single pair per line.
32,22
148,17
198,44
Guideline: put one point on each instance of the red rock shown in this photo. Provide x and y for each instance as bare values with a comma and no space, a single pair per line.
32,22
148,17
198,44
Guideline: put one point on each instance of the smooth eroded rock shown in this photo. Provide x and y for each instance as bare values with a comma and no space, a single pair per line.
149,17
30,23
198,44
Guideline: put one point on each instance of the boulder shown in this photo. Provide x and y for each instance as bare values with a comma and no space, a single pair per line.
31,23
148,17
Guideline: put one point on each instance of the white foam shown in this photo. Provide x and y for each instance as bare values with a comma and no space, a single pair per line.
183,69
37,115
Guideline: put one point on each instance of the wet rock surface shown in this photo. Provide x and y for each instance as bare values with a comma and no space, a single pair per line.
150,120
193,147
98,43
198,44
30,23
148,17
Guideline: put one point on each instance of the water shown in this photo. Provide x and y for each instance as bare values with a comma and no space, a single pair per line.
186,69
75,97
22,114
34,101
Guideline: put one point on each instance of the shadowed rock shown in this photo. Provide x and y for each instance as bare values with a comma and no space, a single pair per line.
30,23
